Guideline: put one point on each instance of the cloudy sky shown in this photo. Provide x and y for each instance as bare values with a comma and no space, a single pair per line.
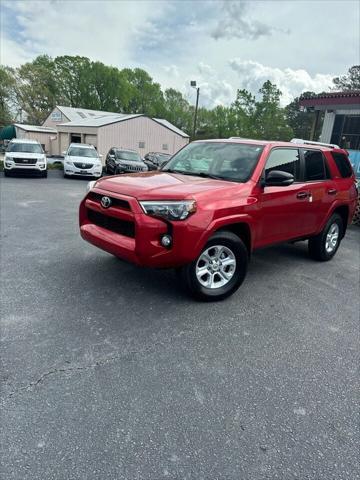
223,45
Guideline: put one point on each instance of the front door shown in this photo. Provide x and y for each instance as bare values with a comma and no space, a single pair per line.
284,209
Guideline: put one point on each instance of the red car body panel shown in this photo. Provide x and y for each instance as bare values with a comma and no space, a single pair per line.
271,214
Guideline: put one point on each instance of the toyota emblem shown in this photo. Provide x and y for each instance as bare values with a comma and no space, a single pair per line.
106,202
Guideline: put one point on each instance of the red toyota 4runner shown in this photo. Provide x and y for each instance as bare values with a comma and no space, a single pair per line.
216,201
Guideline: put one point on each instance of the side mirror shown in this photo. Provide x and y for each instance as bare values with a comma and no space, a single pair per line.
278,178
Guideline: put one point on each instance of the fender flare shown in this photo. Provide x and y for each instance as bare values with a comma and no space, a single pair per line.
220,223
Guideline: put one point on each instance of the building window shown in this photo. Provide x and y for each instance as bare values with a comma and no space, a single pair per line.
346,131
165,146
141,144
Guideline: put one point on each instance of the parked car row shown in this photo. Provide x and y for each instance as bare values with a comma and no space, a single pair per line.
81,160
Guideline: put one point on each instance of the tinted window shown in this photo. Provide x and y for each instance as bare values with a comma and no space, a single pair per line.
314,165
343,164
228,161
25,148
285,160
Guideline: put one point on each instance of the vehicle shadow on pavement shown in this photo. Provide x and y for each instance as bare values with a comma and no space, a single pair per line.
118,277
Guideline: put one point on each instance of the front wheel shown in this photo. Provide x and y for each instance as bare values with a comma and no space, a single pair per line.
219,270
324,246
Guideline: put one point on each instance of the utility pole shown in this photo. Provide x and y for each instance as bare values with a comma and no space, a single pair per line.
193,84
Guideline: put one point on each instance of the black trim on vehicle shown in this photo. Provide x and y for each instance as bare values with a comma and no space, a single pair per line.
123,227
116,202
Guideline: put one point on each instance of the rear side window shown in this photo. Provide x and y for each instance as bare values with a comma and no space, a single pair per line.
343,164
315,168
285,160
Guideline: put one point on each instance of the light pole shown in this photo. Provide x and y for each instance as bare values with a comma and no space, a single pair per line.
193,84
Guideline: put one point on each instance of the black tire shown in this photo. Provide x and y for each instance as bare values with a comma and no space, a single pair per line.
6,173
44,174
317,245
191,282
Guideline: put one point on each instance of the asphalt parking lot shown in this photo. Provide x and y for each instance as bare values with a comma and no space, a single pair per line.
109,371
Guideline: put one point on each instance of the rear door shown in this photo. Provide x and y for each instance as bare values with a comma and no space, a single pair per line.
285,211
321,186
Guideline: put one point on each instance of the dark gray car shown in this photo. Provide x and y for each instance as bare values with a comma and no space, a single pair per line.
119,160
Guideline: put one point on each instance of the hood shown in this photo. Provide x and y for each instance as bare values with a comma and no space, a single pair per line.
162,185
24,155
81,159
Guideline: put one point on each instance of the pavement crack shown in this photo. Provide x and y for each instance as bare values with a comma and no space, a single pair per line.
71,369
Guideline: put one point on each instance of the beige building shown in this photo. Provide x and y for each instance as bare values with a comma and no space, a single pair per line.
105,130
44,135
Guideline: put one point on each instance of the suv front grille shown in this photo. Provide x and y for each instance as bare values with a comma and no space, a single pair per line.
116,225
83,166
116,202
25,161
132,168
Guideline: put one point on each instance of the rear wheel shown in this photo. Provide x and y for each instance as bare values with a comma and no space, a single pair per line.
324,246
219,270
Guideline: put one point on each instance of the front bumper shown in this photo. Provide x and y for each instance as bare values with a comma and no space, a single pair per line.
71,170
23,168
141,243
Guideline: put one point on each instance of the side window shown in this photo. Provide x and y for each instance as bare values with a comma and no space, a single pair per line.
284,159
314,165
343,164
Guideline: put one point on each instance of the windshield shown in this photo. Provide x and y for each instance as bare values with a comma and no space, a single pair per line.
128,156
25,148
227,161
82,152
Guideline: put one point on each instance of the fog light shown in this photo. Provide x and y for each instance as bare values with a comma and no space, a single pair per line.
166,241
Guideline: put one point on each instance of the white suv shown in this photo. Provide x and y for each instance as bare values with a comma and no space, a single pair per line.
25,156
81,160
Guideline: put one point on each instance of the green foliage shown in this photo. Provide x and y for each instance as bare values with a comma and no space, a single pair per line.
37,86
349,81
300,121
7,84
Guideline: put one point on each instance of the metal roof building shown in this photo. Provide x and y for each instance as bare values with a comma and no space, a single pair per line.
105,130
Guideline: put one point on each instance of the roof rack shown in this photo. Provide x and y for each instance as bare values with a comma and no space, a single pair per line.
311,142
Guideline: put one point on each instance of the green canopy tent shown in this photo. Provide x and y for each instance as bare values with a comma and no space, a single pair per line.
7,133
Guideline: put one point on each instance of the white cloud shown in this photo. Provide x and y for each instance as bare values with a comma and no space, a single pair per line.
235,22
291,82
172,70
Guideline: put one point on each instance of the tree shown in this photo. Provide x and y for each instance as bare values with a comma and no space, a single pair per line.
299,120
270,118
243,111
177,110
7,84
349,81
36,88
145,96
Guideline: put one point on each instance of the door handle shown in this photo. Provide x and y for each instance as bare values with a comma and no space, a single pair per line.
302,195
332,191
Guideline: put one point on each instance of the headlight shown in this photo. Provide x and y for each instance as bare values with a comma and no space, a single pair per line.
90,185
68,163
170,210
8,159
